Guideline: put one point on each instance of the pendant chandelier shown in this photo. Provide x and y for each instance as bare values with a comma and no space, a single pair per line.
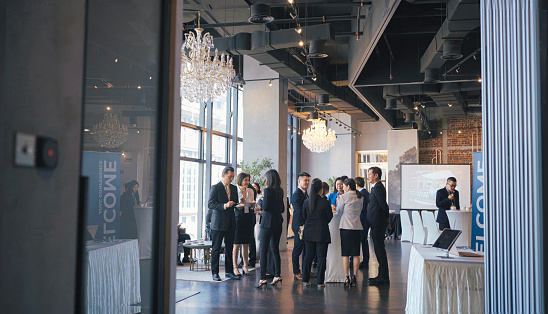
318,138
110,133
202,77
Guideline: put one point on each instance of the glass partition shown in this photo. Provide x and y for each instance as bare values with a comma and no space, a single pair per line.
121,104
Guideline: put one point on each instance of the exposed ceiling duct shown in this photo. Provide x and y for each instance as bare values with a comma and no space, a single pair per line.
462,18
269,48
316,49
260,14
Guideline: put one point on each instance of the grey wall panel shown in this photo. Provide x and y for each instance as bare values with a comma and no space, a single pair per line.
42,65
511,124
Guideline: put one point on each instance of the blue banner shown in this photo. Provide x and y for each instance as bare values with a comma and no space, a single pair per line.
478,203
103,216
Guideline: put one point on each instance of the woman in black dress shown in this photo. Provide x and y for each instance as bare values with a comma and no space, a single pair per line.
130,199
244,222
271,225
317,214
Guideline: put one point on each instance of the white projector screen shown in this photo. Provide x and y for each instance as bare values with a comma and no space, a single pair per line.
419,184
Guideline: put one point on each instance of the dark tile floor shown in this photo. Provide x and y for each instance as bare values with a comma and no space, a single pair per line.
234,296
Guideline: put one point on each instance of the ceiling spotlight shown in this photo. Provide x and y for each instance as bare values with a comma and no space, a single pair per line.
138,131
139,87
314,78
86,130
450,105
479,80
108,108
441,132
290,1
270,83
293,14
457,70
289,128
116,60
294,131
423,105
299,30
299,132
460,132
95,86
416,108
150,77
301,43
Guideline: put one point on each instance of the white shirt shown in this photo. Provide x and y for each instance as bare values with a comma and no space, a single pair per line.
350,208
247,198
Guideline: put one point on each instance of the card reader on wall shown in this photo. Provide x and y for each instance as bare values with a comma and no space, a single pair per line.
35,151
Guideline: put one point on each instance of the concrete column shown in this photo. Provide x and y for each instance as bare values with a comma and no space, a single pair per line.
265,121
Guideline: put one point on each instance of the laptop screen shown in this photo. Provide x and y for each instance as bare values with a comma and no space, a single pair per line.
447,238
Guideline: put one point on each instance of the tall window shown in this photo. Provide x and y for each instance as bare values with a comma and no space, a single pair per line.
194,186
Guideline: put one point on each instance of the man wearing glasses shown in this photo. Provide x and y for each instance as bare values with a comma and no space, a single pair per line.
447,198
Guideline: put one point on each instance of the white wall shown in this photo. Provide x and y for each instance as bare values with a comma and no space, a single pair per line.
265,120
374,135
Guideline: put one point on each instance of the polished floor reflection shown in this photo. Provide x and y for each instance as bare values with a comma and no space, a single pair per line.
235,296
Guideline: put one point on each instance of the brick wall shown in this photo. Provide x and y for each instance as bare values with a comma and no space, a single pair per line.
457,138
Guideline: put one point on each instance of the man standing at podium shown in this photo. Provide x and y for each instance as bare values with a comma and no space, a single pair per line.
446,198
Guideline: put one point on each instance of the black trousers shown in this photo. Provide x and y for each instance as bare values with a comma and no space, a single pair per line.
298,249
319,250
444,225
365,246
377,236
270,241
182,238
217,240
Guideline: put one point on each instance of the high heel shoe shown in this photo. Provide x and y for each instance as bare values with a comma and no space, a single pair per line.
236,272
347,282
353,282
276,280
262,283
246,272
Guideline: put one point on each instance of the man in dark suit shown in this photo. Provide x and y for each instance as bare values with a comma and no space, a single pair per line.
445,198
297,200
222,198
360,183
377,219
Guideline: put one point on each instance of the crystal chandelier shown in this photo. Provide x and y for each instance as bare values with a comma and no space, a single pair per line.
202,77
317,138
110,132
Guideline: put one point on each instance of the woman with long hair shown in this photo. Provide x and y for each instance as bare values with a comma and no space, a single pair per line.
244,222
349,206
317,214
271,226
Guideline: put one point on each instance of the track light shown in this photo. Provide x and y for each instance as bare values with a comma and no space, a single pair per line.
290,1
301,43
293,14
270,83
479,80
314,78
450,105
299,30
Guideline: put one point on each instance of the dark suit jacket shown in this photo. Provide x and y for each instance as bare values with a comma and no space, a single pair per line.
363,215
443,203
377,211
297,200
316,223
273,207
222,219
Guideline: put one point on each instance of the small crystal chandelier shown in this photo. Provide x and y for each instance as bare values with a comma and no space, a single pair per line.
318,138
110,132
202,77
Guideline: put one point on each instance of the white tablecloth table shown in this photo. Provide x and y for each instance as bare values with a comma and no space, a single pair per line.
143,218
437,285
334,269
113,281
461,220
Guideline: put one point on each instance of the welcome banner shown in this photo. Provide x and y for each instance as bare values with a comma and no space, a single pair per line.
103,216
478,204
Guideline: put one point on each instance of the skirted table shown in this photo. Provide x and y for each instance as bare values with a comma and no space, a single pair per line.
461,220
113,283
334,271
439,285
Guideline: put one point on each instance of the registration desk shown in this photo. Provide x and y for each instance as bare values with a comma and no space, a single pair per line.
438,285
112,277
